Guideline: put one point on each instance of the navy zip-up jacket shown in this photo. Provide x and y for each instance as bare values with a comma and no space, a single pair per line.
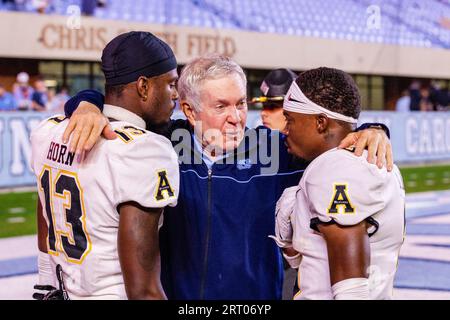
214,243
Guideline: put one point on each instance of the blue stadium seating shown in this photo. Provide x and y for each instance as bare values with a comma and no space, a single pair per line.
416,23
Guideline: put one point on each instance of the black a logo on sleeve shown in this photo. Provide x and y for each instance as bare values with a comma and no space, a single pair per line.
163,188
340,199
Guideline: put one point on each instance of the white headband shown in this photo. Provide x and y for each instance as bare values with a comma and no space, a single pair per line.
296,101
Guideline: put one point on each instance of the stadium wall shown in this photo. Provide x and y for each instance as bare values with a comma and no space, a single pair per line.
416,137
83,38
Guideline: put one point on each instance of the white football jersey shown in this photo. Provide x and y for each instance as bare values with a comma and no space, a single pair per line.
344,188
80,199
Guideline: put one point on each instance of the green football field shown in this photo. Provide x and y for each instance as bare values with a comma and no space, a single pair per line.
17,210
17,214
426,178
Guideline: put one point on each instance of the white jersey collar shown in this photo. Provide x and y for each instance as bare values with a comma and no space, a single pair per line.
121,114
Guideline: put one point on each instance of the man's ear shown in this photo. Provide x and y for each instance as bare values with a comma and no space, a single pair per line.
322,123
142,86
188,111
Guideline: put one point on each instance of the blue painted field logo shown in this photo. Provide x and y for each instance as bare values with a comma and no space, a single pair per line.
244,164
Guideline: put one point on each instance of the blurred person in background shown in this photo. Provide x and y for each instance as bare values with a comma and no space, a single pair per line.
414,94
404,102
41,6
273,89
7,102
40,97
439,96
9,4
51,105
88,7
23,91
56,101
16,5
63,95
425,100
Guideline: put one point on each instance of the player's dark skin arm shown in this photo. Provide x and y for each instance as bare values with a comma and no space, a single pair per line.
138,247
42,228
348,251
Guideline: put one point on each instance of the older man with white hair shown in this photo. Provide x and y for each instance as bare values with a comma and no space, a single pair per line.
214,243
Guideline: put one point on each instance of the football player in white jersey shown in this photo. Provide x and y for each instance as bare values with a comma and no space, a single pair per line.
98,218
343,225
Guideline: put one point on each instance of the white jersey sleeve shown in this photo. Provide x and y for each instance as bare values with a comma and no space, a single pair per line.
147,172
38,135
344,188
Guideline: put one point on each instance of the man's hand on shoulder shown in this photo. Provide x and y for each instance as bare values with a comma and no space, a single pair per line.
86,126
377,143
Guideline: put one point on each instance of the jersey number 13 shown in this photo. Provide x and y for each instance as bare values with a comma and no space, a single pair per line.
75,244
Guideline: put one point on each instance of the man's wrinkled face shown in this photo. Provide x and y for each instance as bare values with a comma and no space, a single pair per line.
162,98
302,136
223,112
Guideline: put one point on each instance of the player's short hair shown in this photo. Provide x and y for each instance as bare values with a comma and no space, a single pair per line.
204,68
332,89
114,90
